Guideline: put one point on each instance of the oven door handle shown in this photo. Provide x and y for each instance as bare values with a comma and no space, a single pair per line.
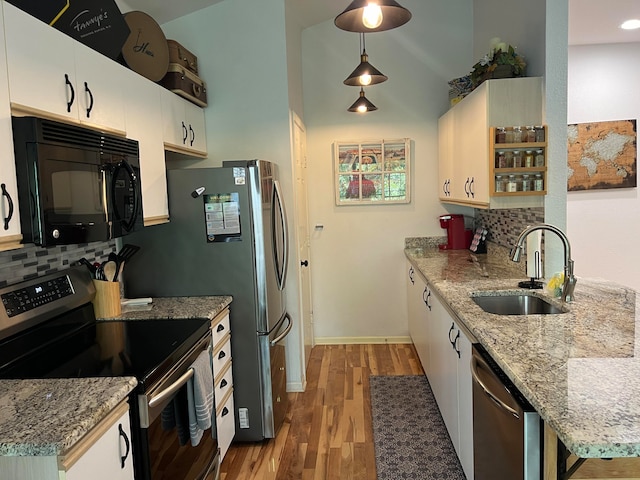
474,373
171,389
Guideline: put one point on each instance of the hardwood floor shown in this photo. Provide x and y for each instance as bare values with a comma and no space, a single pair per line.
327,433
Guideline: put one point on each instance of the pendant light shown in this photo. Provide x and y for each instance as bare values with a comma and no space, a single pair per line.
372,16
362,105
365,73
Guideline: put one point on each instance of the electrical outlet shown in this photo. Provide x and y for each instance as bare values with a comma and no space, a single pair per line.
243,417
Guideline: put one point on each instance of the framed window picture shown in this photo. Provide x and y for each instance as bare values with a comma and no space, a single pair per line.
372,172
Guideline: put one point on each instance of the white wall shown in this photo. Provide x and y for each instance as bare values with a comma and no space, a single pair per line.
357,259
604,225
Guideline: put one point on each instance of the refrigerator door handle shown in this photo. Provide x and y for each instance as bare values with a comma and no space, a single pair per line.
278,209
286,331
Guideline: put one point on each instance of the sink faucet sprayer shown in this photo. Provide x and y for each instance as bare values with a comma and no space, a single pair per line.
569,279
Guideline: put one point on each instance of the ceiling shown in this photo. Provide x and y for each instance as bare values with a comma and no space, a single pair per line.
590,21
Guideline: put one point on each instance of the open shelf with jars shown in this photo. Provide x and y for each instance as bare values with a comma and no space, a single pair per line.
519,166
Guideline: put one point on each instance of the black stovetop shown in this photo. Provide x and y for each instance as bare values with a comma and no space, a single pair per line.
73,344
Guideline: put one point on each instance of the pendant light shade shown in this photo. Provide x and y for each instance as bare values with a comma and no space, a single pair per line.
372,16
365,73
362,105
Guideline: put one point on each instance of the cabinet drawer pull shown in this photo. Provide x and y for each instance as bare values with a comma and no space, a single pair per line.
126,443
411,275
225,411
223,383
221,355
220,328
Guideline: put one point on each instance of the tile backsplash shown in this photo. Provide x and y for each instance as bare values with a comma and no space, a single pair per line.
33,261
505,225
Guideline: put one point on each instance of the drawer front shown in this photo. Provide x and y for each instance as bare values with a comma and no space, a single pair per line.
219,328
221,356
223,384
226,426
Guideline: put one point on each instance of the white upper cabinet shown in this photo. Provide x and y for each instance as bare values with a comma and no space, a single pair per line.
144,124
466,158
52,75
10,236
184,125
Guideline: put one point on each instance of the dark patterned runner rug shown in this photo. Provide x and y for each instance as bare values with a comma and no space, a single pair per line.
411,440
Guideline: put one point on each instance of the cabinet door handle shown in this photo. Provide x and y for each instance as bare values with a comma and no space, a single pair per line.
193,135
126,443
455,343
185,133
220,328
7,219
471,188
451,330
73,92
466,187
411,276
425,298
90,107
448,187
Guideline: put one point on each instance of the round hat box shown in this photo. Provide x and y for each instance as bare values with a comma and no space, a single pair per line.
146,50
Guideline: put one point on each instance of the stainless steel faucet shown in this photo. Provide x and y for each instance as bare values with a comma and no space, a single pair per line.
569,278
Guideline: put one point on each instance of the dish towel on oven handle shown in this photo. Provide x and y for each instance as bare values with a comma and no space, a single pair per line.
200,397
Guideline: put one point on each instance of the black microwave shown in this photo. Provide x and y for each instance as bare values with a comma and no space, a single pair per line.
75,185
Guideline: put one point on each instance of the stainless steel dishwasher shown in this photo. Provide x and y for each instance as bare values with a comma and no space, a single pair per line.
506,428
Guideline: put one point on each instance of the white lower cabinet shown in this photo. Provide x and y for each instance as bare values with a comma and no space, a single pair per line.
108,458
445,353
104,453
419,307
223,381
451,382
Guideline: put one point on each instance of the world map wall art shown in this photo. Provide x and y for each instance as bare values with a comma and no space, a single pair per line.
602,155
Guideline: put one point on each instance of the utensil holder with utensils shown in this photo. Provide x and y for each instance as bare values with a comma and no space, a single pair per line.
106,303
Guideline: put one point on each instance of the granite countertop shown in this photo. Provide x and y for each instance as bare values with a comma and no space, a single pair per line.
578,369
176,308
47,417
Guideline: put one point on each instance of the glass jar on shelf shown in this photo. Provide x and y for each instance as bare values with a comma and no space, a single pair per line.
539,158
526,183
500,186
512,186
538,183
517,159
517,134
530,134
528,158
501,161
508,135
539,133
501,135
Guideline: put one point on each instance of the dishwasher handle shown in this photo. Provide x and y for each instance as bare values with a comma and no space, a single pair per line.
474,373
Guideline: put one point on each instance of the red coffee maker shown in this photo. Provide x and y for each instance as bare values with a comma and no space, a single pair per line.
458,237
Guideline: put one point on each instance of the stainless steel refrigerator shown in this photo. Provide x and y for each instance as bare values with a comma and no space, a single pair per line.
227,235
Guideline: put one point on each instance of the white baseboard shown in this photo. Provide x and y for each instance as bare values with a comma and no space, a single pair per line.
360,340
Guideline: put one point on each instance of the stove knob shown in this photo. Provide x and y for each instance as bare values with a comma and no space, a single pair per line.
56,234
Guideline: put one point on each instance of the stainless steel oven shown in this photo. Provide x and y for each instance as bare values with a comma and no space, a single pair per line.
506,428
162,453
48,330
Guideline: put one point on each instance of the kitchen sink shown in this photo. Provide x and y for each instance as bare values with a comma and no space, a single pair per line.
515,304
